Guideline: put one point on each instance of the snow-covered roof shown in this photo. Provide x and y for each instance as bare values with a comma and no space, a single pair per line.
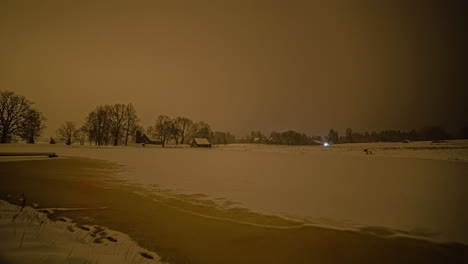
201,141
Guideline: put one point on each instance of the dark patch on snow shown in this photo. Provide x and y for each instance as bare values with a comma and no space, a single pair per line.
111,239
84,228
146,255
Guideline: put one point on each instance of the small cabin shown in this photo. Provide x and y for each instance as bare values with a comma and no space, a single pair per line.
200,143
142,138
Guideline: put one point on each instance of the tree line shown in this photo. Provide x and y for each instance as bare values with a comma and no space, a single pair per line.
289,137
292,137
118,124
106,125
182,130
424,134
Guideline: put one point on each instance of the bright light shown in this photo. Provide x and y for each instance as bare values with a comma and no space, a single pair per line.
326,144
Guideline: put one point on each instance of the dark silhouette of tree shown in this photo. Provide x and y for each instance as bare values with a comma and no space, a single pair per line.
66,132
290,137
98,126
201,130
434,133
162,129
175,131
32,125
184,125
333,137
80,135
111,124
413,135
219,137
349,135
14,110
374,136
275,138
427,133
117,122
131,122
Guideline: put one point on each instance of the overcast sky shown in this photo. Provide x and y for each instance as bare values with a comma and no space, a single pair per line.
240,65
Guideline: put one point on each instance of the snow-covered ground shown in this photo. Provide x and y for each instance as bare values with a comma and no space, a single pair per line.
417,187
28,236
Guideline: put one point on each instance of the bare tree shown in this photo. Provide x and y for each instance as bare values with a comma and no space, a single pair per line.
201,129
13,111
80,135
333,137
91,127
117,121
349,135
66,132
131,122
32,126
184,125
98,126
219,137
174,131
162,128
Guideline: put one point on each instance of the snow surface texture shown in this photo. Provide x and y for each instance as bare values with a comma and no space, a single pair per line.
29,236
418,187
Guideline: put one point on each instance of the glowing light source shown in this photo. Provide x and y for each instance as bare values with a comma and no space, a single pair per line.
326,144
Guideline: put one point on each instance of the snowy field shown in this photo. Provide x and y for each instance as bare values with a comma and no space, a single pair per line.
417,188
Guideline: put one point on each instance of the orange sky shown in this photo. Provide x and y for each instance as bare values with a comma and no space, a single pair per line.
239,65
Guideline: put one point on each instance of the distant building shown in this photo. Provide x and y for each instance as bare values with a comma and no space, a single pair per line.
142,138
200,143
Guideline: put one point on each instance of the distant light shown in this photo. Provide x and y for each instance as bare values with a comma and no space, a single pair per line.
326,144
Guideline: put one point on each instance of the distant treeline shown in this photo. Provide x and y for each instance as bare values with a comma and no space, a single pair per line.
118,124
291,137
106,125
183,130
427,133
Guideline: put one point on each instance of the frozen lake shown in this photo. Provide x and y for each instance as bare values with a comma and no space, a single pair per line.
418,187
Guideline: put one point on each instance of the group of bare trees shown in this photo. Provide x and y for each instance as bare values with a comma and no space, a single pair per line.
180,129
289,137
67,132
18,117
117,125
106,125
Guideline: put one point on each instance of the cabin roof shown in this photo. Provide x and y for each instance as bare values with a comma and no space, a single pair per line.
201,141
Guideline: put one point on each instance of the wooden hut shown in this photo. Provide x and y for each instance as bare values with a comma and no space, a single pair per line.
142,138
200,143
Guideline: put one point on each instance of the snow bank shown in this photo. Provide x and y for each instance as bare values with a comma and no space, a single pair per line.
28,236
